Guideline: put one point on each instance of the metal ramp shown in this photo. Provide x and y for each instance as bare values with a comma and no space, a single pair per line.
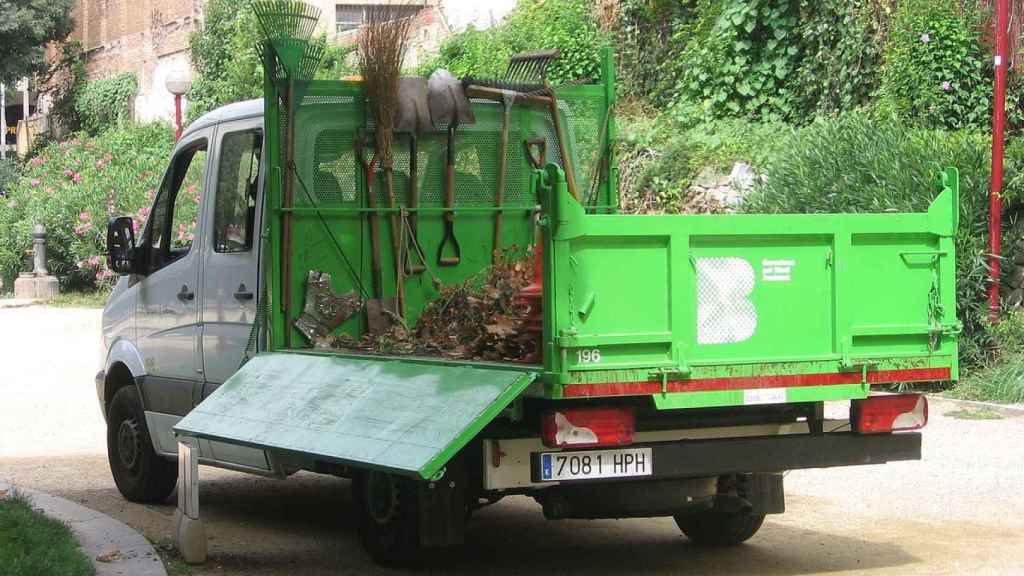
404,416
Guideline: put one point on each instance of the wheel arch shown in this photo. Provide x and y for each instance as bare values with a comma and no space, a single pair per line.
124,367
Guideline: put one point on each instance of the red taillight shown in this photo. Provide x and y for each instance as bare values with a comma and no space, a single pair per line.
579,427
892,413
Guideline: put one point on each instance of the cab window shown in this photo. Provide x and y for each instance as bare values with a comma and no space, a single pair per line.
238,172
172,223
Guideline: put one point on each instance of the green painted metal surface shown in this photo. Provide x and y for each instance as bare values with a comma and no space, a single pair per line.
402,416
686,298
820,305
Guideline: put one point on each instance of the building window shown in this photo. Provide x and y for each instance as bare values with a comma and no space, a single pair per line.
351,16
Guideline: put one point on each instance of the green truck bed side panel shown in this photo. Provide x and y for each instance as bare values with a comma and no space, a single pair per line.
403,416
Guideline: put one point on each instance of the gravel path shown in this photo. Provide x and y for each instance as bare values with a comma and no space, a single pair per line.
958,511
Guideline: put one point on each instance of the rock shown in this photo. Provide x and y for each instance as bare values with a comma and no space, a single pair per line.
1015,298
1018,256
1016,277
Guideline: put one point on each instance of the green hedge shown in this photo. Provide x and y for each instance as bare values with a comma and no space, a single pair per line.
72,187
569,26
855,163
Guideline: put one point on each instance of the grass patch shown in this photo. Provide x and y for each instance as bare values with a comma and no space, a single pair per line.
97,299
1001,382
980,414
32,544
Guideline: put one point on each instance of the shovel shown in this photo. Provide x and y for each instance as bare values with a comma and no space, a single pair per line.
448,105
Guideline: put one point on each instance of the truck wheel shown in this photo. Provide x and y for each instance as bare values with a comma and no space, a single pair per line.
388,517
140,474
717,528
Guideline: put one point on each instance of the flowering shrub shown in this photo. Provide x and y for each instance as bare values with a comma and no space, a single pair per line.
73,187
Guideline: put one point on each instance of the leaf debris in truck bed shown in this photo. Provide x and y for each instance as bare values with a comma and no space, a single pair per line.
481,318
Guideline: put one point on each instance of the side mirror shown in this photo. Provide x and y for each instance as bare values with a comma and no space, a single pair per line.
121,245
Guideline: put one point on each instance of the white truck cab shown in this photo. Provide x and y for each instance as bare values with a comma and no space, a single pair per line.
178,326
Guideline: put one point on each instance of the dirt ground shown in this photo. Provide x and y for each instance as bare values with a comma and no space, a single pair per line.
958,511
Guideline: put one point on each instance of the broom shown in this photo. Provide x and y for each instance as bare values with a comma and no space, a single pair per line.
382,44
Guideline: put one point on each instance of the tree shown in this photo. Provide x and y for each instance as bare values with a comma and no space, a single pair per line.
26,27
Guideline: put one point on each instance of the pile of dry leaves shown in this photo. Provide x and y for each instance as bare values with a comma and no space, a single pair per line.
480,319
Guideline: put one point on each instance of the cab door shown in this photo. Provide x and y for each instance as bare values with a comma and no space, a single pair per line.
167,317
231,259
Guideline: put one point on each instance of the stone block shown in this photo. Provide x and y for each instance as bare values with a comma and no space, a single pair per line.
36,287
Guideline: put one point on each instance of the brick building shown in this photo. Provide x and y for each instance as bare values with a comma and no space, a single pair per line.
146,37
150,39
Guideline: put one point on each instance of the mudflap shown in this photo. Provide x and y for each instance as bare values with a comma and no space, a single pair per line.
404,416
442,507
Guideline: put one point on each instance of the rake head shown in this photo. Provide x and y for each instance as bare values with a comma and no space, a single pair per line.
291,19
530,67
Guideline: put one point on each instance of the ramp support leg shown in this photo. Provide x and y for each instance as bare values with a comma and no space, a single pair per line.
189,533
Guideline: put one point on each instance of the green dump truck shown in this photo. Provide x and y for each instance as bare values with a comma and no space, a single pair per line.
668,365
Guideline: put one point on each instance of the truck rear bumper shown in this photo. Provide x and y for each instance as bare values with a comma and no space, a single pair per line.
713,457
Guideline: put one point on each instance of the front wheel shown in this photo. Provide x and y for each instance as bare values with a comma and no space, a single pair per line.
388,512
718,528
140,474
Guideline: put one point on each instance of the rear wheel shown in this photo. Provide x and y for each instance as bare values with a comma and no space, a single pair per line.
388,516
140,474
718,528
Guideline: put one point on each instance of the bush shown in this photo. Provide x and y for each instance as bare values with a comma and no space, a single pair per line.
72,188
10,171
100,104
650,36
1002,379
569,26
936,69
659,156
742,58
858,164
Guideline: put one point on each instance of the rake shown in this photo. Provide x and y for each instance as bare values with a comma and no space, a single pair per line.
287,27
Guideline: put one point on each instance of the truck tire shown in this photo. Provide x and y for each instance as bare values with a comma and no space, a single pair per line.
140,474
388,514
718,528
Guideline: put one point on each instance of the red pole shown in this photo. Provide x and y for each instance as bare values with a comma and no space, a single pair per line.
998,122
177,116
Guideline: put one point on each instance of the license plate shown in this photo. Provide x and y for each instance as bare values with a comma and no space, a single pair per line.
589,464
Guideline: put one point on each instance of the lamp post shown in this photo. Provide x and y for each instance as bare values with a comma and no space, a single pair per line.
178,82
995,205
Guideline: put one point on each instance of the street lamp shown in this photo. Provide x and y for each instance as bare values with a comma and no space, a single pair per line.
178,82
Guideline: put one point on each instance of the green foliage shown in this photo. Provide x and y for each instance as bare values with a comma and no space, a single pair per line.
1001,379
936,70
65,84
100,104
569,26
32,544
841,62
659,158
742,58
223,52
73,187
28,26
855,163
10,171
650,36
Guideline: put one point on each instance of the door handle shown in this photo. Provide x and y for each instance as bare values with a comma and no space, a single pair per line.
186,295
242,293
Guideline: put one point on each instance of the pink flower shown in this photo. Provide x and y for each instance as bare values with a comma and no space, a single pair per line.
104,274
34,182
100,164
68,173
37,161
81,229
181,232
76,178
84,216
94,261
947,86
143,212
